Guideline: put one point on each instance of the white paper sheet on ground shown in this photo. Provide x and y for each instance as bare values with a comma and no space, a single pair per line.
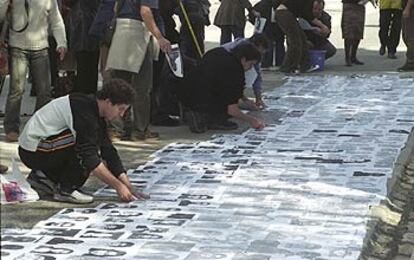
250,77
305,25
259,24
300,183
174,61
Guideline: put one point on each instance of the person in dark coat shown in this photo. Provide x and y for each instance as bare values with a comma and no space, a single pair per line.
231,19
212,91
197,11
85,46
98,29
275,54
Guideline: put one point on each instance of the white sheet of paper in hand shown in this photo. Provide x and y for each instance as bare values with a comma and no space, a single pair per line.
250,77
174,61
259,24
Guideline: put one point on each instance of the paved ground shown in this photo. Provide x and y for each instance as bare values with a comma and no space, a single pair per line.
13,216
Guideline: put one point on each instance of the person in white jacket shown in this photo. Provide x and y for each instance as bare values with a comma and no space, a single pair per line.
28,46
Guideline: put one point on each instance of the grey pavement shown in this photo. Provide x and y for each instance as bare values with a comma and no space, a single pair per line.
256,211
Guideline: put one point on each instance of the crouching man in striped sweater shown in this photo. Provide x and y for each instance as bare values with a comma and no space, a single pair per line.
66,140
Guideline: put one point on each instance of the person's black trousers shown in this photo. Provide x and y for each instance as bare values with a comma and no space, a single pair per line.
86,71
61,166
390,28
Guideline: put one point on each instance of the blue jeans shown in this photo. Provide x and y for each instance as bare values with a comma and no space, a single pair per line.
228,30
21,60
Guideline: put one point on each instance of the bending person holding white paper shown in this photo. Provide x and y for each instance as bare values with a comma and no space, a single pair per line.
210,94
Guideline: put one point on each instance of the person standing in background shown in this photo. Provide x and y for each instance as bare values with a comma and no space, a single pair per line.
30,21
131,56
231,18
86,47
352,24
408,34
390,26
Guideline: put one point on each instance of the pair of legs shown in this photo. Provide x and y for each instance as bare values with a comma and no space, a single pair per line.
390,30
187,44
297,56
351,49
21,60
352,25
61,166
139,118
408,37
276,51
228,30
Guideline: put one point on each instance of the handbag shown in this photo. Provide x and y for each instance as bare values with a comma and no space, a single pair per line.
110,29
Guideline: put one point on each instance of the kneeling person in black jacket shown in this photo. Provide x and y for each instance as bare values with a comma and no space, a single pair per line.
67,140
211,92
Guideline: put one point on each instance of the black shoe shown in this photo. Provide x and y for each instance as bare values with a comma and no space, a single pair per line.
391,55
382,50
45,187
222,125
356,61
406,68
196,122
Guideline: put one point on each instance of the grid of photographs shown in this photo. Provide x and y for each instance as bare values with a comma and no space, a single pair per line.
299,189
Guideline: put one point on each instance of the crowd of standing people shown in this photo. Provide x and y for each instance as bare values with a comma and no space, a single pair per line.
127,42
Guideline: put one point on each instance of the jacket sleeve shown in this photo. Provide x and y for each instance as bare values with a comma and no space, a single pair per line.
86,126
109,153
57,26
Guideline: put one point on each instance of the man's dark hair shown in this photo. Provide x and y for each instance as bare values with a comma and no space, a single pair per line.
259,40
322,2
246,50
118,91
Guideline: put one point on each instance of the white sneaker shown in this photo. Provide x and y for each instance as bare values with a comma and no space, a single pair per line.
74,197
313,68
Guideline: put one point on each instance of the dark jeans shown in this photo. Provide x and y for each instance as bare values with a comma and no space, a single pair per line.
390,28
187,45
408,37
53,60
297,56
61,166
276,51
157,80
228,30
21,60
86,71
